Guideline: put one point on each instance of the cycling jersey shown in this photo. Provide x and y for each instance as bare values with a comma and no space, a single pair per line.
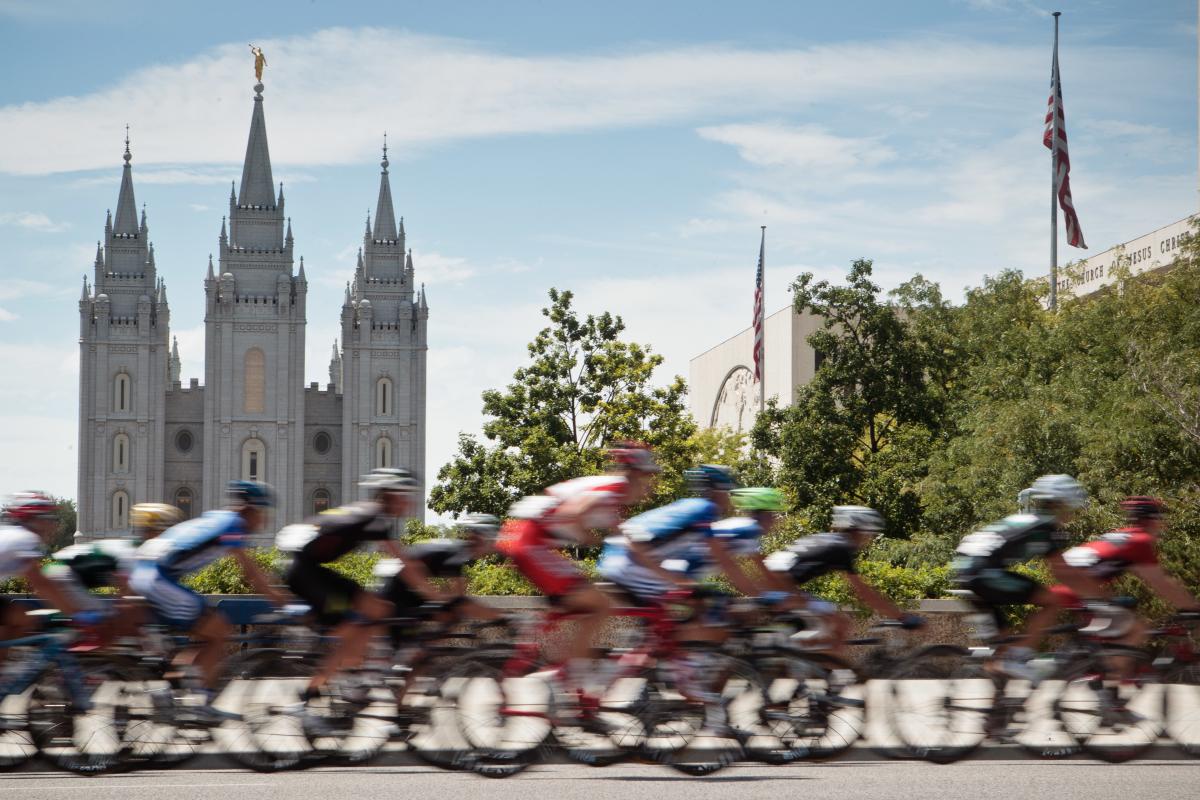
674,535
98,563
1012,540
813,556
194,544
538,526
442,558
19,547
1108,557
339,531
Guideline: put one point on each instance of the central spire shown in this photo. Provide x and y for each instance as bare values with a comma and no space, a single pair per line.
385,217
126,223
258,187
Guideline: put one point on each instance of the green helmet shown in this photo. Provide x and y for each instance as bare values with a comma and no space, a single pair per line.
758,498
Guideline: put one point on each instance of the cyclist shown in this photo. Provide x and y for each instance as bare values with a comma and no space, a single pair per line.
165,560
355,613
984,560
854,528
1132,548
27,522
568,513
446,559
82,567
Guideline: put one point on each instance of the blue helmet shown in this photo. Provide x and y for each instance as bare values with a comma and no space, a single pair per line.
251,493
710,478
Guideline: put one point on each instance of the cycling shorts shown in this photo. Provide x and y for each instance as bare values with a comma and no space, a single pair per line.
996,588
330,594
535,554
174,605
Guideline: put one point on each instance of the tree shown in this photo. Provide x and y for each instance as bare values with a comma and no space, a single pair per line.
582,388
860,430
65,534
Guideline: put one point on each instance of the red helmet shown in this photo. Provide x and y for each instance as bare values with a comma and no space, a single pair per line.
633,456
1141,507
27,506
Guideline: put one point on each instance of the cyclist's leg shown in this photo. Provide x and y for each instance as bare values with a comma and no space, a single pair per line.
14,623
1049,605
213,632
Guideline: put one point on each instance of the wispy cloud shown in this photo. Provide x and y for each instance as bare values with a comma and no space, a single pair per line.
809,147
461,90
6,315
32,221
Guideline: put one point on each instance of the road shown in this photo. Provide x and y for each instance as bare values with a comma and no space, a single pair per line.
858,780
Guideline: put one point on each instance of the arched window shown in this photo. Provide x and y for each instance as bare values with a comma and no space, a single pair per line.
383,452
120,510
384,397
254,460
122,392
254,382
321,500
183,501
120,453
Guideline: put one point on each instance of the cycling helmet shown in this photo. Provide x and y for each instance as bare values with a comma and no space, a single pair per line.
758,498
155,516
1058,490
710,478
25,507
484,526
1142,507
633,456
857,518
1025,500
251,493
388,479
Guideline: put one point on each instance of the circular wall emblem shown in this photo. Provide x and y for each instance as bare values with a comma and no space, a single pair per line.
322,442
184,441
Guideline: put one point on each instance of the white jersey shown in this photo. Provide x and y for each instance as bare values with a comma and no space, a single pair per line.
18,548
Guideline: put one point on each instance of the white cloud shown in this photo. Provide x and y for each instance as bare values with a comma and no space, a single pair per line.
46,447
197,207
455,89
808,147
7,316
17,288
434,268
32,221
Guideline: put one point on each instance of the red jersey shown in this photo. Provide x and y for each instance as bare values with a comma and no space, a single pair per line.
1108,557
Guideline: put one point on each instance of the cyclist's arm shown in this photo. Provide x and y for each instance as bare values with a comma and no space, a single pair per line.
872,597
641,555
1169,588
257,578
728,563
576,509
414,574
48,589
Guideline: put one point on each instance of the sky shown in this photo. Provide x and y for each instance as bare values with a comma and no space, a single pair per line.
628,151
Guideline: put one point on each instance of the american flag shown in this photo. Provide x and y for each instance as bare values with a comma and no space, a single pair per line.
1055,138
758,310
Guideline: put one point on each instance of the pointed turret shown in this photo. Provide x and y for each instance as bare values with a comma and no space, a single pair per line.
210,276
279,200
84,296
99,255
288,237
224,237
174,365
126,222
257,183
301,276
385,216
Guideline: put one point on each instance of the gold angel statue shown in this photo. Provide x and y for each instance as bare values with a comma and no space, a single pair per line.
260,61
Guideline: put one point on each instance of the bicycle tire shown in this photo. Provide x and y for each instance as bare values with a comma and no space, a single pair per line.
1181,706
939,704
821,696
266,740
1113,721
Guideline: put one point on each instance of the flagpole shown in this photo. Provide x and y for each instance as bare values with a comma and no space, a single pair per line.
762,384
1054,181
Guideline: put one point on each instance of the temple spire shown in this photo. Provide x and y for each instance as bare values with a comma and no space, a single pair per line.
126,222
385,217
258,187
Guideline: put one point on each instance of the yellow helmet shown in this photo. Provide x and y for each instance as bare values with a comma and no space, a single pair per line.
156,516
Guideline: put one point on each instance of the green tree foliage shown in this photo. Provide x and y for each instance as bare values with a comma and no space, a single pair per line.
583,387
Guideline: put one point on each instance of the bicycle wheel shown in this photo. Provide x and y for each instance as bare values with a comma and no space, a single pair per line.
505,720
732,716
939,704
615,730
268,739
17,746
84,735
1181,695
152,734
816,703
1113,720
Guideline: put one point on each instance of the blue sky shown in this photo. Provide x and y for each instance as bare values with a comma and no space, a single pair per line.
628,151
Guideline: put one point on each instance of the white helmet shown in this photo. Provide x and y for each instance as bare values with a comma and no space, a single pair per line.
857,518
1058,489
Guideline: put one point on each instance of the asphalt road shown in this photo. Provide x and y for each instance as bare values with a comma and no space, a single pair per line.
865,780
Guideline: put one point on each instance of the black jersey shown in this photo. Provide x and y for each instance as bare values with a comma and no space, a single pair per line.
342,530
443,558
813,556
1010,541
